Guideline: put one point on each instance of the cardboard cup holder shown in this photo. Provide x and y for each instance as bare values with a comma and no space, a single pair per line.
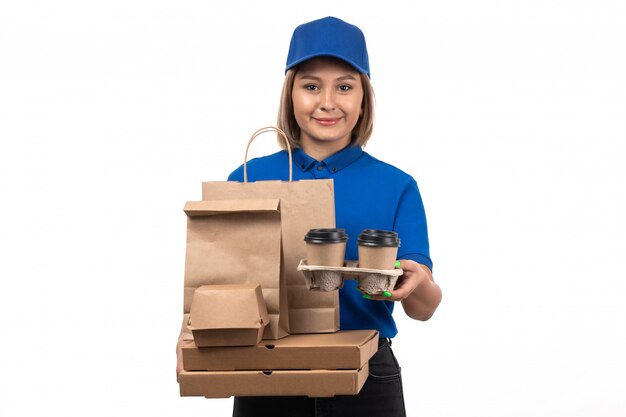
330,278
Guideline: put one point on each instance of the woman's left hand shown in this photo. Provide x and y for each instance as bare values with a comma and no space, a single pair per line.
413,275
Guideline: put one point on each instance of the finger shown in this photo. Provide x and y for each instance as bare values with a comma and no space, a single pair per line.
385,296
403,289
400,293
364,293
359,289
406,265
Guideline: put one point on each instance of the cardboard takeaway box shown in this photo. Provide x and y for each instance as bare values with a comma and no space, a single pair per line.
228,315
312,383
347,349
315,365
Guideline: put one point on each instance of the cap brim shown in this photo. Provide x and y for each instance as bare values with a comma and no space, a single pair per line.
318,54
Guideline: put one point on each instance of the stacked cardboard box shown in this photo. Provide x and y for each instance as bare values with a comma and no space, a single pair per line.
228,315
315,365
224,354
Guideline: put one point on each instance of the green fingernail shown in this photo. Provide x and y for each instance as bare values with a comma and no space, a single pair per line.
369,297
386,293
397,265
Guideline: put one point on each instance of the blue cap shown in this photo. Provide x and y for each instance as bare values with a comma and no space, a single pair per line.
329,37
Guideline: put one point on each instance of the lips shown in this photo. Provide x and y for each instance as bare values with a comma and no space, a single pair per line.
327,121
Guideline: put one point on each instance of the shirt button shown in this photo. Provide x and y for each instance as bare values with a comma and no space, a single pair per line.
319,168
302,166
334,169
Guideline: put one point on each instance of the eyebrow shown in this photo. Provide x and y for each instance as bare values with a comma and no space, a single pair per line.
342,78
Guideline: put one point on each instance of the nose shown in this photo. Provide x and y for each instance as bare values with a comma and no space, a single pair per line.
328,100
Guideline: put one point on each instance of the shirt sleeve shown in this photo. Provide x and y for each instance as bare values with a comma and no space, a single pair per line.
410,223
236,175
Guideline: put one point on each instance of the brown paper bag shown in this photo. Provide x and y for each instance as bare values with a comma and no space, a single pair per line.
237,242
304,205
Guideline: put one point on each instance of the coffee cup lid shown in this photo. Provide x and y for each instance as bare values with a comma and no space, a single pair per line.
374,237
326,236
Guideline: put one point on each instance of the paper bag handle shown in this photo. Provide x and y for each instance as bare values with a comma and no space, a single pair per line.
259,132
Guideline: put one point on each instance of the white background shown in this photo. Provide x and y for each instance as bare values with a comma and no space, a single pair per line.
510,115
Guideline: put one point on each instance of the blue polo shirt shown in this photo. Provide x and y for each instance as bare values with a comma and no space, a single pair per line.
369,194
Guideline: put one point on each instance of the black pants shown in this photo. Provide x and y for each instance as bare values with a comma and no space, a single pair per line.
380,396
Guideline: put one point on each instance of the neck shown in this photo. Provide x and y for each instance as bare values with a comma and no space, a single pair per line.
321,151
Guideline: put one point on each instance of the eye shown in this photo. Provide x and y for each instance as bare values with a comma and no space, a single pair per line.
345,87
311,87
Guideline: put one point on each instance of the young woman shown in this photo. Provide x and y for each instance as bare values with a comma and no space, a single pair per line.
327,112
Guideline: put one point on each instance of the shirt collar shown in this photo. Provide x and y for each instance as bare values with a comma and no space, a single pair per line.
335,162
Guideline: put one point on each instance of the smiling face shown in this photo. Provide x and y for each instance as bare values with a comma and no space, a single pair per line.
327,102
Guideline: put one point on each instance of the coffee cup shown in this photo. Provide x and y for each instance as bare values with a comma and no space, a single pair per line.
378,249
326,247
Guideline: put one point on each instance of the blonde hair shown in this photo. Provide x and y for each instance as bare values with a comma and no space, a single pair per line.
287,121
